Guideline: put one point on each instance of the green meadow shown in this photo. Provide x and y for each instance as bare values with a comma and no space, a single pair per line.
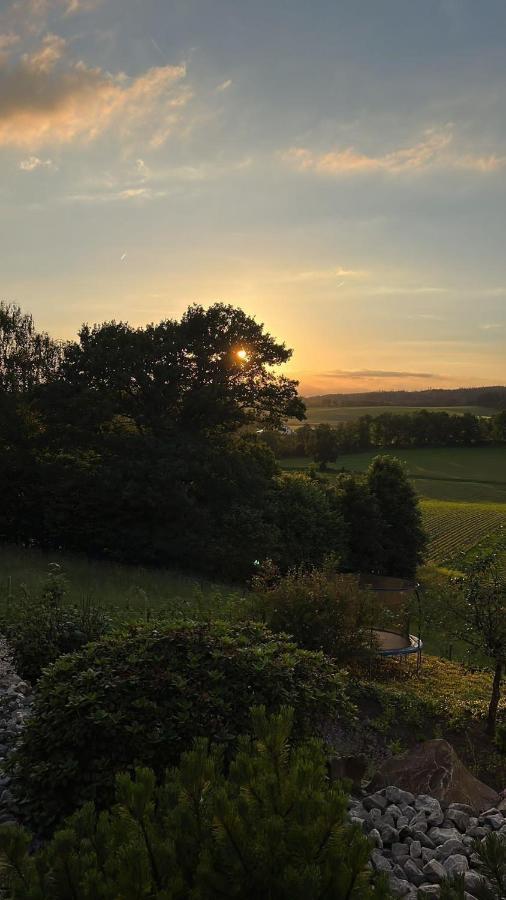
128,593
466,474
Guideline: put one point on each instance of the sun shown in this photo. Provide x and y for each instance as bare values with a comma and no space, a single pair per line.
242,355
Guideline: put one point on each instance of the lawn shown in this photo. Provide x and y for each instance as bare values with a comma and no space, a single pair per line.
335,414
128,593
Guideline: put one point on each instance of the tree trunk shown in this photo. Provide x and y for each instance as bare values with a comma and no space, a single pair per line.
494,700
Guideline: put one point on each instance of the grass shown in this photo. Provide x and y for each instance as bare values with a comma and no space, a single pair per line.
315,415
471,474
128,593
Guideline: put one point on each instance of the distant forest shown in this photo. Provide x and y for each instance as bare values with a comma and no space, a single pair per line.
494,397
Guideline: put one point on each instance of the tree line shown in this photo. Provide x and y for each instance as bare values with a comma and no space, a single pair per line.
140,445
493,397
388,431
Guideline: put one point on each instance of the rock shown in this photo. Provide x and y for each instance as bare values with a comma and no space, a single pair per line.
413,873
424,839
399,887
375,837
430,890
456,864
493,821
453,845
399,851
477,831
388,834
457,817
473,882
434,769
394,794
428,854
380,862
440,835
433,871
415,849
375,801
431,808
393,811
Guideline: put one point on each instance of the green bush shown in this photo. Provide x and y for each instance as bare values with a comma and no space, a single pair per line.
273,827
141,699
321,610
41,627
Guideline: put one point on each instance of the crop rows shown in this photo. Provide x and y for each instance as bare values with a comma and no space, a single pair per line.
455,528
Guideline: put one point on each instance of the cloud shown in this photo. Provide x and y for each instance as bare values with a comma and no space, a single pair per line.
491,326
399,289
140,194
358,374
30,14
324,274
7,41
33,162
47,99
224,85
433,150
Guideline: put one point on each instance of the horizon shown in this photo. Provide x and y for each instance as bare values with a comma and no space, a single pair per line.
335,171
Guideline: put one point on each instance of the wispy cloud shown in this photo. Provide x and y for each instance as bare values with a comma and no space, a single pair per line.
224,85
364,374
34,162
48,99
386,289
330,274
435,149
492,326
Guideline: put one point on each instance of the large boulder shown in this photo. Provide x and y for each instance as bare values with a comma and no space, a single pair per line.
434,768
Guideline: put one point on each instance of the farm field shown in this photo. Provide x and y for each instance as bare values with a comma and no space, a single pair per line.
456,528
467,474
315,415
126,592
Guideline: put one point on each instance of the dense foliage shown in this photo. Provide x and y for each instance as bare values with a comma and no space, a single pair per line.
41,627
140,699
273,827
320,610
141,445
423,428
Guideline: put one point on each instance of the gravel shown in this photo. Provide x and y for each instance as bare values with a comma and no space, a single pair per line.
436,842
15,705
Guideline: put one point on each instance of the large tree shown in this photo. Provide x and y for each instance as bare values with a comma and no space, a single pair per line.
211,371
402,536
27,357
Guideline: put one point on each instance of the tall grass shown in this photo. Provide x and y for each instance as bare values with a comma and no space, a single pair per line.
128,593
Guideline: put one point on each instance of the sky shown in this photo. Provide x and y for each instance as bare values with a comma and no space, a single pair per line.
335,168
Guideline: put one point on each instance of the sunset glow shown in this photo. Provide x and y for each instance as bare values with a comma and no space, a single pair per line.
338,172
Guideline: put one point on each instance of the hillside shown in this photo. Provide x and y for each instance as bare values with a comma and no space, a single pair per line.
493,396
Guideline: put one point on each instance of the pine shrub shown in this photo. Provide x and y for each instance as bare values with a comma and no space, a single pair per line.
273,827
141,699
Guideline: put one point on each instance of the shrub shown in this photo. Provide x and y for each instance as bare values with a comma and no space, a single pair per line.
41,628
141,698
273,827
320,609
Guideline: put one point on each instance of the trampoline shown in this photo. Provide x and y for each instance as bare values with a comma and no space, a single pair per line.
393,643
